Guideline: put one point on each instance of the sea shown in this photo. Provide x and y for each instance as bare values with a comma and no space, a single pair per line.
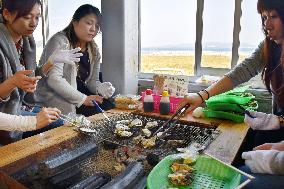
190,51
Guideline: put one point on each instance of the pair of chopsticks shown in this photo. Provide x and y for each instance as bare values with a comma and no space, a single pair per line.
177,114
100,109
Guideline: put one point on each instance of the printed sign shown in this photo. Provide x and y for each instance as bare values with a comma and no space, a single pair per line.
176,85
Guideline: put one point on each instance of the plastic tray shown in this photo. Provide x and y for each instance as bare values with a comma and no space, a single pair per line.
174,102
229,99
223,106
223,115
209,174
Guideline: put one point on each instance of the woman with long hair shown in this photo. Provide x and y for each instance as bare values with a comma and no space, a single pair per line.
267,156
74,88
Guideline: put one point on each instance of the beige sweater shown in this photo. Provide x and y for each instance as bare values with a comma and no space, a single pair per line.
59,88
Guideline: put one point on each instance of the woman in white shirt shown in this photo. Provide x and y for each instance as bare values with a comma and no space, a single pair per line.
28,123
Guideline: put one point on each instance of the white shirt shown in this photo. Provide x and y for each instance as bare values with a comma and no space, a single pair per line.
17,123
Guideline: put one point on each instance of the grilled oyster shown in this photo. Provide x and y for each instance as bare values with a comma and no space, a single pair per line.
151,125
148,143
146,132
122,133
136,123
120,126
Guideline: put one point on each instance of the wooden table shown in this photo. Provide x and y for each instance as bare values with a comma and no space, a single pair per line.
18,155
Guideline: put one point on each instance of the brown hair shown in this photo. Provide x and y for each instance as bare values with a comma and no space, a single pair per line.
82,11
271,74
21,7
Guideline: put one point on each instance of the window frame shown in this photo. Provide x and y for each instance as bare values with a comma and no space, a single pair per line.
198,69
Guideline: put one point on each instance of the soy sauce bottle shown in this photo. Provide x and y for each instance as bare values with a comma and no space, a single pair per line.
148,103
165,103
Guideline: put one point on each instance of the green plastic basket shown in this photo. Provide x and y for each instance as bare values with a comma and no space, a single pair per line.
229,99
223,106
209,174
223,115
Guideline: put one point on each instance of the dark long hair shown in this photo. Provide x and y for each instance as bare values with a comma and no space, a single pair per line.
21,7
82,11
271,74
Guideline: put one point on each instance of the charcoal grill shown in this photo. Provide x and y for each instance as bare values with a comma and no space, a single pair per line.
104,160
191,133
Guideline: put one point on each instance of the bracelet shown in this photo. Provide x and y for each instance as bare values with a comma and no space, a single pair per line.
4,99
207,93
200,97
281,121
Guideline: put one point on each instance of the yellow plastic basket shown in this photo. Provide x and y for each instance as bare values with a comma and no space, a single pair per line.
209,174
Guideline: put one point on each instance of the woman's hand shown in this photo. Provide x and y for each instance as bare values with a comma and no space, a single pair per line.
270,146
89,99
46,116
21,80
193,99
65,56
262,121
105,89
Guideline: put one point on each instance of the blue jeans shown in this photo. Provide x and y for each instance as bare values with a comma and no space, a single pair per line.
34,112
263,181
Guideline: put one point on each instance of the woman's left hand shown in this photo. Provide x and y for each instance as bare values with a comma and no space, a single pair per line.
262,121
260,161
105,89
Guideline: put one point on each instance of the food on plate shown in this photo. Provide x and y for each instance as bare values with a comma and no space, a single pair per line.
177,167
180,178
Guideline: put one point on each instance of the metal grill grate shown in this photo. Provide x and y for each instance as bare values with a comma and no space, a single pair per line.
191,133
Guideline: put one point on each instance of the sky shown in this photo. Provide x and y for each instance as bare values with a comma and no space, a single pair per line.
172,22
168,22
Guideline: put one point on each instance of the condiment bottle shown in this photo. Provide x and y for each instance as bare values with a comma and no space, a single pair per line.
148,103
165,103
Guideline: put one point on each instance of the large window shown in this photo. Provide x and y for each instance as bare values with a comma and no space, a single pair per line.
217,38
251,34
168,36
196,37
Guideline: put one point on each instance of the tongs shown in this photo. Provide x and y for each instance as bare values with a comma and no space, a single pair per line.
177,114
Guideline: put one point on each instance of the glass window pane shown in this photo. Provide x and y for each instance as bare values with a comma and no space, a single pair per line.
38,39
218,24
168,36
251,32
59,18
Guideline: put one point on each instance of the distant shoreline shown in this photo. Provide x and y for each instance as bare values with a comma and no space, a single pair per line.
189,53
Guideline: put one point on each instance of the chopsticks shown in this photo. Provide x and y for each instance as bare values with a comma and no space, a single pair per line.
100,109
177,114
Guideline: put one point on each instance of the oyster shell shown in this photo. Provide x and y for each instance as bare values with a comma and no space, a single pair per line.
146,132
120,126
151,124
136,123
